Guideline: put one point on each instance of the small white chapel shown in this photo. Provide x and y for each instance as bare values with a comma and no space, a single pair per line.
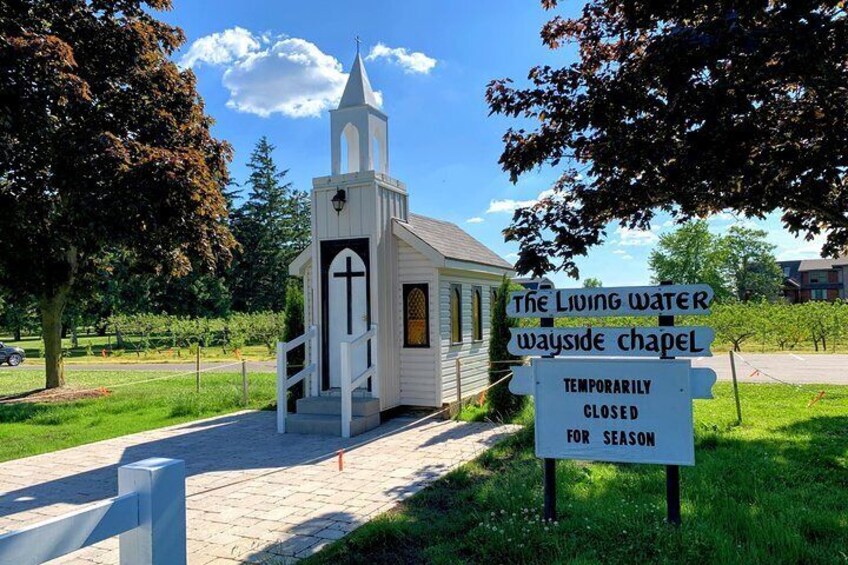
397,305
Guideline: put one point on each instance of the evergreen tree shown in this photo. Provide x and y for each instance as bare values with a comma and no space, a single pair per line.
272,227
502,403
294,328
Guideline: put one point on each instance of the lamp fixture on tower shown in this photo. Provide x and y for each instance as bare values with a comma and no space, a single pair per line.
339,200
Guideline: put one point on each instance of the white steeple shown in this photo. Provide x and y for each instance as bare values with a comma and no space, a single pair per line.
358,91
359,130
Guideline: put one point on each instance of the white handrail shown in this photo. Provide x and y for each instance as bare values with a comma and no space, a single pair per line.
362,337
300,340
360,380
348,383
300,375
148,514
284,382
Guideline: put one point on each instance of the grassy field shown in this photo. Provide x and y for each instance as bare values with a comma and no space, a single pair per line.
774,490
131,406
91,348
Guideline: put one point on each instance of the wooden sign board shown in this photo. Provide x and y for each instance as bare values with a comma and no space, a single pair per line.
666,300
618,410
677,341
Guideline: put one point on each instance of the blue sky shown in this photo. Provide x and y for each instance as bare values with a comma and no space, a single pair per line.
273,67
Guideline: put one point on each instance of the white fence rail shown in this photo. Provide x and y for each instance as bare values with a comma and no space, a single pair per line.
349,382
309,372
148,514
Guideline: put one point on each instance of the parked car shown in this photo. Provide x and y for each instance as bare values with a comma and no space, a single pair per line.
14,356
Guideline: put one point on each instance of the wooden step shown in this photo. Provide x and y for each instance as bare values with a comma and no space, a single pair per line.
332,405
329,424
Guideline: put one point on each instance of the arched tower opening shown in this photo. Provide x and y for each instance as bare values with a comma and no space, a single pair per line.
349,149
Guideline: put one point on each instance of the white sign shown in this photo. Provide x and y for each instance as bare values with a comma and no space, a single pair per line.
633,342
665,300
632,411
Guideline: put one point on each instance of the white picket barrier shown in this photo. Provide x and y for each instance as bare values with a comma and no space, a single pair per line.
149,515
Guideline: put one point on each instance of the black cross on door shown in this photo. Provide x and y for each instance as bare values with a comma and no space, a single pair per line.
349,275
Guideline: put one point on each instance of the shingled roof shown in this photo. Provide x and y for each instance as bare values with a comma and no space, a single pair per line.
452,241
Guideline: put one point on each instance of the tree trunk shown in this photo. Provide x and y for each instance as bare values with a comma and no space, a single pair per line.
52,308
18,333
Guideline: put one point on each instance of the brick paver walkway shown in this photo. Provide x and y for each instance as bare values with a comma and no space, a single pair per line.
252,495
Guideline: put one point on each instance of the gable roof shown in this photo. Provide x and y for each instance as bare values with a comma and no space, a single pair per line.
804,265
452,242
817,264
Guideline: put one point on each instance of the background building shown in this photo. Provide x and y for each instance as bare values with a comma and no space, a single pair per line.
814,279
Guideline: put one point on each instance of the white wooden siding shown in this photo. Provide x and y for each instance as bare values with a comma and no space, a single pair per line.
373,201
474,355
419,367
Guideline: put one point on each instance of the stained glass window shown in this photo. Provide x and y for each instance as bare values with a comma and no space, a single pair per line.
416,315
476,313
456,313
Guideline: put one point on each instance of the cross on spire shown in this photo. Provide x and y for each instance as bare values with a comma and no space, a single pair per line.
358,43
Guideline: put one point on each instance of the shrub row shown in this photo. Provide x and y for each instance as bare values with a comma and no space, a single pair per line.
143,332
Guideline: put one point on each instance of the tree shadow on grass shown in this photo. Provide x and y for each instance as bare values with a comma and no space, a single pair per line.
21,412
775,500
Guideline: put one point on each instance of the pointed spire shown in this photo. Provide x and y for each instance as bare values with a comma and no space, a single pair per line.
358,90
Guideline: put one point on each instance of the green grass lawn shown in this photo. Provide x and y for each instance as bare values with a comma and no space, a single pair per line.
774,490
32,428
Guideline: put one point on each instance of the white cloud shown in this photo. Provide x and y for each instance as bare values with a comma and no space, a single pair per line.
629,237
511,257
415,62
292,77
475,220
623,254
507,205
221,48
510,205
723,217
790,248
270,74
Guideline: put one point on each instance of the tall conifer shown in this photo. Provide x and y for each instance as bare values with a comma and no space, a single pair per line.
272,227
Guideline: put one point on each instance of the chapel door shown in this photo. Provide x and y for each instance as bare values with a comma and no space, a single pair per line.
347,312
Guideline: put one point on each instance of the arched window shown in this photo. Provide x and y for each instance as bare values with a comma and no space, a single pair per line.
416,316
350,149
376,155
456,313
476,313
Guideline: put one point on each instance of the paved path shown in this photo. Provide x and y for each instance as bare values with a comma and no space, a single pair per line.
285,507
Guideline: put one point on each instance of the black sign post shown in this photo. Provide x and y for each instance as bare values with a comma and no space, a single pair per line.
549,465
672,472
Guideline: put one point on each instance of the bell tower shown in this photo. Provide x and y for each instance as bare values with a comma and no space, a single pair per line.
354,252
360,132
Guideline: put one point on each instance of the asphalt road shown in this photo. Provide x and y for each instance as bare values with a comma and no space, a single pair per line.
801,368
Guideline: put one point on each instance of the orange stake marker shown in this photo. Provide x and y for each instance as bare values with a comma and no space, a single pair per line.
818,397
341,459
